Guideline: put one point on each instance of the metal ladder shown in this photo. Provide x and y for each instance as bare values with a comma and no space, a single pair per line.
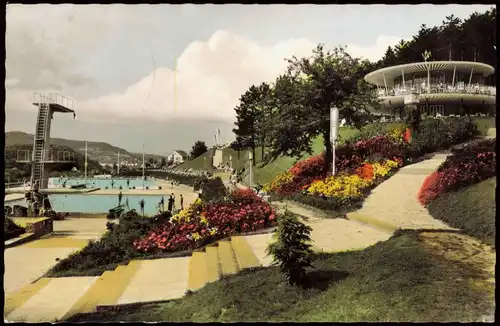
39,142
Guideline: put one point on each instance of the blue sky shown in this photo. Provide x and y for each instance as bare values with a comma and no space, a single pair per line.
117,61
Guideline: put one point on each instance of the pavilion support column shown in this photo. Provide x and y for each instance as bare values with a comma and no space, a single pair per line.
403,76
385,82
428,79
470,77
454,72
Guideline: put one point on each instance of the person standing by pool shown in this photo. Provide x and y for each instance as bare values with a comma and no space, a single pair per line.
162,204
141,204
126,203
112,183
170,203
120,198
182,202
173,202
128,183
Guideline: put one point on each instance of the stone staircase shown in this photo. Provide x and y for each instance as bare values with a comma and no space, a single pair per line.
140,281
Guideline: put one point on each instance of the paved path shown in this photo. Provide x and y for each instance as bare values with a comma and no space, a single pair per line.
26,263
335,234
394,202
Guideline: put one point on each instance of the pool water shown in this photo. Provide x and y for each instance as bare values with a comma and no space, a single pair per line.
103,183
78,203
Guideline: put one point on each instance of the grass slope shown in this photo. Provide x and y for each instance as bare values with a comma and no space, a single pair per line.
471,209
402,279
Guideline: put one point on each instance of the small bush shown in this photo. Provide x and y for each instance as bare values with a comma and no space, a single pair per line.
213,190
110,226
11,230
292,250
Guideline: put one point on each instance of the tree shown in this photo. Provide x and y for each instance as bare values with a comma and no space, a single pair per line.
390,58
307,92
246,120
450,31
198,149
163,163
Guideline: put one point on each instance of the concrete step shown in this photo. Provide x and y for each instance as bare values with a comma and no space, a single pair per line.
244,254
89,300
198,275
214,269
157,280
52,301
119,280
227,259
259,243
19,298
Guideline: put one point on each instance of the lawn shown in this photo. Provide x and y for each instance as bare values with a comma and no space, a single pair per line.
402,279
471,209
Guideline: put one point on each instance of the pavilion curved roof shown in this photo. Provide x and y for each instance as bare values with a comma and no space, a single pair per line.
377,77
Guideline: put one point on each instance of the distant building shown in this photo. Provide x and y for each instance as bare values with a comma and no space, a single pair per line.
177,157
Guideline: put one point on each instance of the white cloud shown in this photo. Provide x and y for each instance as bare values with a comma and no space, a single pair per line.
211,76
377,51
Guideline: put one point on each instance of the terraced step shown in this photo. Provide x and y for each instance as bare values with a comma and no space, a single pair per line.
52,301
19,298
157,280
198,275
214,269
90,299
119,280
244,254
227,258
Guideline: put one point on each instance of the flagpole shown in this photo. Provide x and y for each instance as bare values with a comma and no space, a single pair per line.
143,166
86,162
118,169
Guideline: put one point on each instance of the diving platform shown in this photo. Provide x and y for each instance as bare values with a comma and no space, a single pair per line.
57,102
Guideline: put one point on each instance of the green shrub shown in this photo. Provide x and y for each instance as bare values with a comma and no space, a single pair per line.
437,134
114,247
213,190
292,249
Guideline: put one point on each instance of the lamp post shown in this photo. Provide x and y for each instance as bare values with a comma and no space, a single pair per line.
250,177
334,130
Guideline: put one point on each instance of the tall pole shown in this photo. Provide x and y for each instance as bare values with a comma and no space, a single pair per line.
334,123
143,166
118,167
86,162
250,159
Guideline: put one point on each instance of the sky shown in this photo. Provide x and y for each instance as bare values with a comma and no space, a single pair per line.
168,75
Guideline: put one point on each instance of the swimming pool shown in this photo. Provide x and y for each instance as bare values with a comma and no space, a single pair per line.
103,183
100,203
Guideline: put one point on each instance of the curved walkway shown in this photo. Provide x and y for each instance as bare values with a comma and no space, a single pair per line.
394,203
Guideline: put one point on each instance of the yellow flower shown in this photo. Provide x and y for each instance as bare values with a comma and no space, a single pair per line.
280,179
396,134
196,236
344,186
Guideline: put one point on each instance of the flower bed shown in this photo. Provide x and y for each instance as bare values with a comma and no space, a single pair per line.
202,223
362,164
466,166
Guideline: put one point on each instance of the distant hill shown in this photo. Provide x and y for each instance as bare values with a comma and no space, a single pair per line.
101,152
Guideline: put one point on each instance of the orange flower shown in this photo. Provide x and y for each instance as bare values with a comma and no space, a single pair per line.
365,171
